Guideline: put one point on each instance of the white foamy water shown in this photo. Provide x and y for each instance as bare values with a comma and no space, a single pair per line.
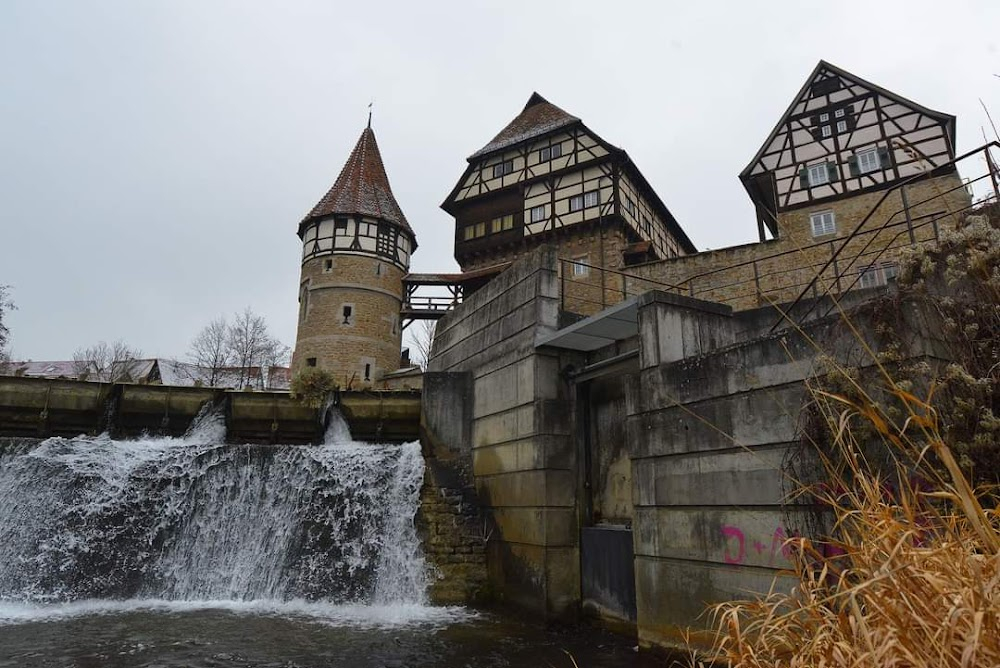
95,526
345,615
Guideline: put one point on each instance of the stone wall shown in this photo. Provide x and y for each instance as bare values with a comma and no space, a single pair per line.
455,533
372,334
519,446
601,247
777,270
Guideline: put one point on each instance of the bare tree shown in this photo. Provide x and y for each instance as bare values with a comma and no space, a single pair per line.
422,338
114,363
251,345
210,351
5,305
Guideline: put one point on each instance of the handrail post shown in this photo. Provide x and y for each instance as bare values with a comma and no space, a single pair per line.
993,172
906,212
562,284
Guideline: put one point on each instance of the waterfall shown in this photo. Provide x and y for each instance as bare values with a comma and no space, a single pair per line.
195,519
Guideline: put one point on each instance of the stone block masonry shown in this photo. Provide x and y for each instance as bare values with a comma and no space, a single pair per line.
517,441
778,270
349,318
683,438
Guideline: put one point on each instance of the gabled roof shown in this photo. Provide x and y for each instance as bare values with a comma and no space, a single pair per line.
824,67
538,117
362,188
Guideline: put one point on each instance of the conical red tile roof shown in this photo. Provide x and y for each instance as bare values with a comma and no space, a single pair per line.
538,117
362,188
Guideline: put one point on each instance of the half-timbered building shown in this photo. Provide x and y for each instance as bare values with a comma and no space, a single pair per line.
356,248
842,137
850,175
546,177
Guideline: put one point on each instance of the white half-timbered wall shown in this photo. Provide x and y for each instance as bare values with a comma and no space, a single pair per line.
644,220
914,141
577,147
358,236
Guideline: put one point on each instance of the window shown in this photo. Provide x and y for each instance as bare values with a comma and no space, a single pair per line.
877,275
819,174
827,131
839,113
550,152
385,240
339,227
890,270
368,371
347,310
869,277
580,268
823,223
502,223
868,161
310,361
629,205
823,118
537,213
505,167
584,201
841,126
327,266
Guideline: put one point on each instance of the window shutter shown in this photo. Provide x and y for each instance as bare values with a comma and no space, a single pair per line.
804,178
831,168
884,157
852,163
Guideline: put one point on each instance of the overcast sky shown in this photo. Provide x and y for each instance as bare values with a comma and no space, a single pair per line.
156,157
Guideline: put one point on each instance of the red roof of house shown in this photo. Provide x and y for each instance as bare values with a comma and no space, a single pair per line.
362,188
538,117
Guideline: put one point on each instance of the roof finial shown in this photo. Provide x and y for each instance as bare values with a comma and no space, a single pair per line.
370,113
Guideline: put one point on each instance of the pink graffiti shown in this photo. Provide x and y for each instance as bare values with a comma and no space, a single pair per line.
741,552
735,545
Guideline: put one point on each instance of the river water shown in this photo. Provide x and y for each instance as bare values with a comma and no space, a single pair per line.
164,552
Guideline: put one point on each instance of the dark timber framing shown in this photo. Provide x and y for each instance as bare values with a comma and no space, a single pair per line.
910,139
480,196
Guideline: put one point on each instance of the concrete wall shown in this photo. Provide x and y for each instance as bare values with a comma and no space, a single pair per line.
519,439
714,428
44,407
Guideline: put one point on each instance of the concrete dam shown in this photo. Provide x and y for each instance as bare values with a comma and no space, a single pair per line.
630,468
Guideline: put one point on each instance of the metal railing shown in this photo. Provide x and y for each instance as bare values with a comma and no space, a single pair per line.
835,266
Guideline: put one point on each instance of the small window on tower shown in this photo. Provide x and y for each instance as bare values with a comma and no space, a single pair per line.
347,311
537,214
368,371
340,227
327,265
310,361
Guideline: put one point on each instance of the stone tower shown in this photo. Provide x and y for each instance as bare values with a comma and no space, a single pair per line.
356,247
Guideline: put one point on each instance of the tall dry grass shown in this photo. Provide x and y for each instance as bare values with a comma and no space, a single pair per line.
912,575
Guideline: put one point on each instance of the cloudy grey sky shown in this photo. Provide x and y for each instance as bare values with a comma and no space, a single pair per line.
156,157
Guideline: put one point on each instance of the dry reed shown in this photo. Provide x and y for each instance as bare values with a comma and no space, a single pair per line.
912,577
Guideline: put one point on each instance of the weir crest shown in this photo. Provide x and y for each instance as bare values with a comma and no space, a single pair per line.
194,519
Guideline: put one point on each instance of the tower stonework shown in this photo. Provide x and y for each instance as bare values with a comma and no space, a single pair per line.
356,247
